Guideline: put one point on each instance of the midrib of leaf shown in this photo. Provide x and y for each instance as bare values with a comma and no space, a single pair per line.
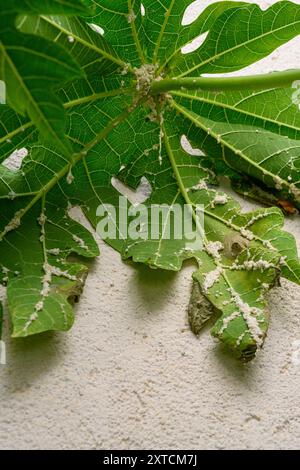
181,186
235,108
189,202
246,98
16,132
190,39
97,96
29,96
71,104
162,31
238,46
75,159
82,41
135,35
45,258
33,193
164,228
223,143
43,239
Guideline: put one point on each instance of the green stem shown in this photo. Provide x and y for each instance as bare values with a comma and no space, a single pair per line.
251,82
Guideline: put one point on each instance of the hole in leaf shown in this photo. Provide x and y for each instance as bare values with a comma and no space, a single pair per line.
265,6
143,11
2,92
194,10
14,161
96,28
194,44
140,195
187,147
76,213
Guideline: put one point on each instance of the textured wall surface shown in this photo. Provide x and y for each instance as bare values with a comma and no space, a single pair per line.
131,375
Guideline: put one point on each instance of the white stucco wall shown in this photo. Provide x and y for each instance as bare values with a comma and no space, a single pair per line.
131,375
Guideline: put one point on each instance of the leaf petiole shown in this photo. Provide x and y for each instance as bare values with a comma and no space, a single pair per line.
253,82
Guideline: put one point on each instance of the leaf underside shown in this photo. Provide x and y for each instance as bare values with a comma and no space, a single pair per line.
77,98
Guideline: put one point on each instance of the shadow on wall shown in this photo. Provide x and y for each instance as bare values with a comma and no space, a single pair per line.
31,358
156,288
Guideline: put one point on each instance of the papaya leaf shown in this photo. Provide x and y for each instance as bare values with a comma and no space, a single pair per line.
239,37
26,65
223,116
95,118
253,150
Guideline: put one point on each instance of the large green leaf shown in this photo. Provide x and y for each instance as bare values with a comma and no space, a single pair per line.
270,116
27,64
273,159
111,136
